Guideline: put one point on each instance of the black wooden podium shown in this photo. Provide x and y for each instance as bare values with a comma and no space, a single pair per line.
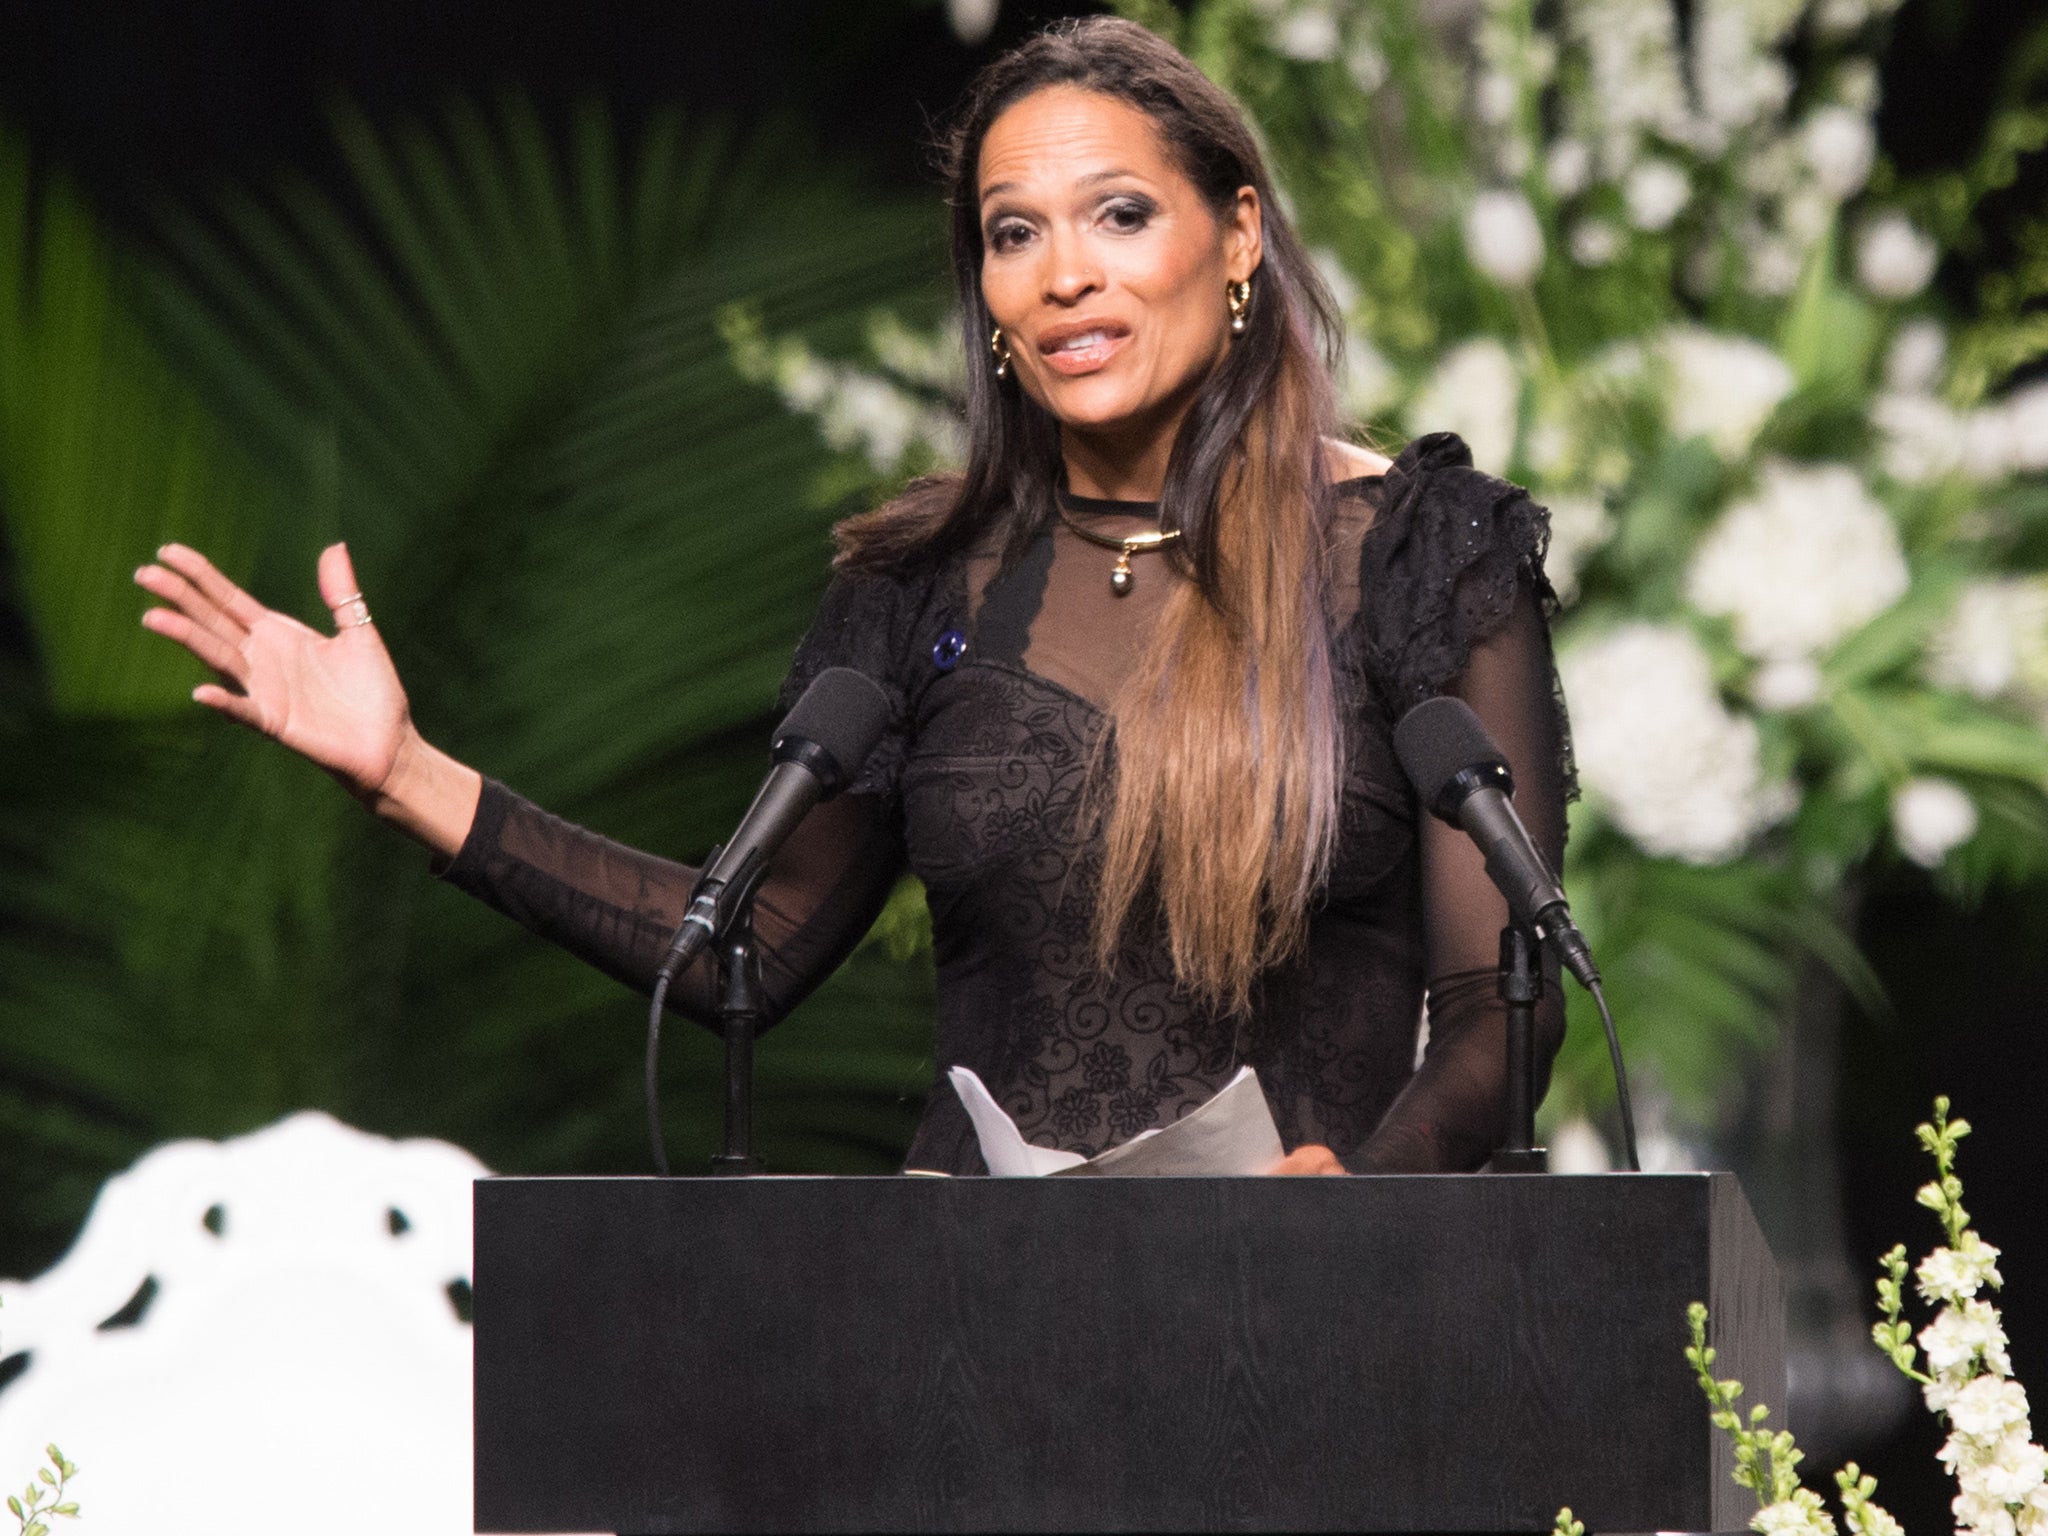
1362,1354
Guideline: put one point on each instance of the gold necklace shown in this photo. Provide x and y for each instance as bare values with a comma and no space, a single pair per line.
1120,578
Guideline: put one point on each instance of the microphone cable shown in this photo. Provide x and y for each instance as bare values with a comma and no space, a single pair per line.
1628,1114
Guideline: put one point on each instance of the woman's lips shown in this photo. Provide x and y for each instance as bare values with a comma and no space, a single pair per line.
1073,352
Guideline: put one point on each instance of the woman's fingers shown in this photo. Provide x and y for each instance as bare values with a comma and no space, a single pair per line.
224,594
173,589
223,656
1311,1159
338,589
236,706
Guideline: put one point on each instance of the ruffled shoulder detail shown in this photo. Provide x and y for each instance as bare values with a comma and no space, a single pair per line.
893,626
1440,568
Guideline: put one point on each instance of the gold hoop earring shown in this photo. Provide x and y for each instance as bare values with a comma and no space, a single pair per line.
999,349
1239,297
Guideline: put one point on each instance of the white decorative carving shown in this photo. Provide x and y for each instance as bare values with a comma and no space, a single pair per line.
302,1370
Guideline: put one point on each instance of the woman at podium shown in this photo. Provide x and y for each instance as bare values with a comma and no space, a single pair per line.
1145,655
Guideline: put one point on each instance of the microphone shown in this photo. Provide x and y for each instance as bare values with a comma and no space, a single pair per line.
819,746
1463,779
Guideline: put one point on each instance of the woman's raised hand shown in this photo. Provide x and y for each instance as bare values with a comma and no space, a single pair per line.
334,699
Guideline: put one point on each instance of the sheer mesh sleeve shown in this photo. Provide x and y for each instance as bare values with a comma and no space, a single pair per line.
1450,1116
617,907
1455,573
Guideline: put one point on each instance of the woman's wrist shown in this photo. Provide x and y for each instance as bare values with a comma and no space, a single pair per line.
428,795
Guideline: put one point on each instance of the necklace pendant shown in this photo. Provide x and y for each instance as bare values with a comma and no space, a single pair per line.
1120,575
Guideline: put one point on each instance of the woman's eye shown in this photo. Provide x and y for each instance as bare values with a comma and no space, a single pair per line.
1007,236
1126,216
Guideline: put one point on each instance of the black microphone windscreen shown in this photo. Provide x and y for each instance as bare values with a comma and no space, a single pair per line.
843,713
1439,739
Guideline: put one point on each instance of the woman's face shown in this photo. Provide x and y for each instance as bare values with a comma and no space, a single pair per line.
1103,264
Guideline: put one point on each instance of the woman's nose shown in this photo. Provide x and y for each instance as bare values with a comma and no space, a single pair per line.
1070,274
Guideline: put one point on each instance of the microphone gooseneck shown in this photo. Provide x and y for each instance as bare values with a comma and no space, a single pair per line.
815,752
1462,777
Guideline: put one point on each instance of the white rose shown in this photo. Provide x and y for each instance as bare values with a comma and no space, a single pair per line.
1894,260
1494,97
972,20
1840,148
1786,683
1810,557
1771,267
1310,35
1996,639
1579,525
1503,238
1912,364
1595,242
1366,65
2027,412
1660,752
1655,191
1568,167
1475,392
1722,388
1931,818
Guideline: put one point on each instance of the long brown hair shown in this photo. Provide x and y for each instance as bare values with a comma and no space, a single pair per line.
1227,752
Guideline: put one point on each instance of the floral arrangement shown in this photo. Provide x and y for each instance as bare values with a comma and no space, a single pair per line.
1650,269
1990,1450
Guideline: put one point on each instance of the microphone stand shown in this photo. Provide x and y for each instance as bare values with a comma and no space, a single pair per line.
739,1020
1521,987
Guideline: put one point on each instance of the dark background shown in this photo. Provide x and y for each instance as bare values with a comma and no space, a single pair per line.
155,103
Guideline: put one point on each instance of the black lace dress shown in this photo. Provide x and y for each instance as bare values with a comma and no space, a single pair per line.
999,675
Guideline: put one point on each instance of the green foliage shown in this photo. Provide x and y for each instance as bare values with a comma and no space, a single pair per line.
1766,1461
43,1499
494,368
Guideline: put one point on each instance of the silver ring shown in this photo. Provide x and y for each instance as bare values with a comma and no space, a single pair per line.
351,612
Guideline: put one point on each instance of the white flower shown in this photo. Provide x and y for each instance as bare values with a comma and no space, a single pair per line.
1801,1515
1310,34
1808,559
1368,382
1920,439
1996,640
1894,260
1771,267
1503,238
2004,1471
1840,148
1475,392
1957,1274
1963,1333
1722,388
1988,1407
1979,1514
1676,771
1494,97
1595,242
1579,525
2027,411
1366,65
1655,191
1786,683
1856,85
1912,364
972,20
1931,818
1568,167
1336,277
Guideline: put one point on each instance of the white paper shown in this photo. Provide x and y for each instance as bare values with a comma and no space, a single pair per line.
1231,1134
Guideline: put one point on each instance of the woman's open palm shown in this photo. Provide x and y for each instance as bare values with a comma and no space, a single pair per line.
335,699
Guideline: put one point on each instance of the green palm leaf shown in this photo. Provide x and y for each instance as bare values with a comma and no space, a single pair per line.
590,545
